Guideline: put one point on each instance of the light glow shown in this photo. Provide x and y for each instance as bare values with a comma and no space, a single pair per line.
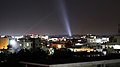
20,44
65,17
59,46
116,46
27,44
78,44
12,42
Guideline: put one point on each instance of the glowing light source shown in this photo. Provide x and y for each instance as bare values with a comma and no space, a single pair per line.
27,44
2,36
99,41
51,51
59,46
20,44
44,37
12,42
78,44
116,46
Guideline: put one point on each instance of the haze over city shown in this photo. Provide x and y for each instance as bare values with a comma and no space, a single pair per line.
48,16
59,33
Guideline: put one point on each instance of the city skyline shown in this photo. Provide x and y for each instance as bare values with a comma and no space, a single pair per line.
47,16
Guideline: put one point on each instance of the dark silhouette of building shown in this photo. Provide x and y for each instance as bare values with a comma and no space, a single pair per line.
118,29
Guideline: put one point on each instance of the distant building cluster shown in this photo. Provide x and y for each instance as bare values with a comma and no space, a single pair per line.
75,43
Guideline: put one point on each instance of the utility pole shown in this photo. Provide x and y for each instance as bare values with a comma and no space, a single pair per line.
118,29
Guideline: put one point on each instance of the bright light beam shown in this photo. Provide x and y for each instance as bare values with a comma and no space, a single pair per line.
38,23
65,17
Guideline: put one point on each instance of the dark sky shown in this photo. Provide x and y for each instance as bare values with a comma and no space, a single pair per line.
19,17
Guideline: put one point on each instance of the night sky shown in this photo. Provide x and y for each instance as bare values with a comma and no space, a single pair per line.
19,17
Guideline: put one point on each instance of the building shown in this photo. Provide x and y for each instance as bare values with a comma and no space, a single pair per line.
4,43
30,43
